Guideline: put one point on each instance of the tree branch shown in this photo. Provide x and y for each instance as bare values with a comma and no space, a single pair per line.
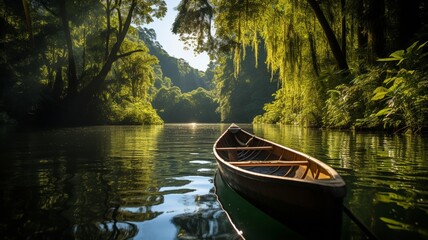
128,53
72,73
98,80
331,38
119,18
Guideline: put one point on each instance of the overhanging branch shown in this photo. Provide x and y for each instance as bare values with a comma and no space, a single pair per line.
128,53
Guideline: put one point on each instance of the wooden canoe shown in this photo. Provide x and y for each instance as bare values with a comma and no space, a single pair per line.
292,187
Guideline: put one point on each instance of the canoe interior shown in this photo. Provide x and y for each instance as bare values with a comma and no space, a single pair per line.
258,155
292,187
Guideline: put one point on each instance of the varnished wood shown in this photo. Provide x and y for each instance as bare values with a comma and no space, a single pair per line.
298,190
268,163
244,148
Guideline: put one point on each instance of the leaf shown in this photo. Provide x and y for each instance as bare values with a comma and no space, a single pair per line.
383,112
387,59
422,45
410,49
388,80
380,89
334,91
397,82
380,93
379,96
398,54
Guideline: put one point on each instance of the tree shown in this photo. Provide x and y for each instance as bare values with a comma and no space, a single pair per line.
195,106
317,74
194,19
85,40
332,40
178,70
142,14
242,97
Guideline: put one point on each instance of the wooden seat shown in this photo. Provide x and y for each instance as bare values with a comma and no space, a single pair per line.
275,163
244,148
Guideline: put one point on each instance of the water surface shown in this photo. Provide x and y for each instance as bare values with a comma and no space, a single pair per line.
386,176
157,182
118,182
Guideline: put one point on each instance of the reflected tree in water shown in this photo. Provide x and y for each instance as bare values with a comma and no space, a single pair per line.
384,171
206,223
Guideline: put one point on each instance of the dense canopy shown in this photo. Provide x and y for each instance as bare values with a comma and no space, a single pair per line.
326,54
334,63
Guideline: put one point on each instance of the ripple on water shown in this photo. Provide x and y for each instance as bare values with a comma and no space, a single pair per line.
201,162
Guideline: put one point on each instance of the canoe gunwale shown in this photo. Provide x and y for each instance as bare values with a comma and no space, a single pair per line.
335,180
315,204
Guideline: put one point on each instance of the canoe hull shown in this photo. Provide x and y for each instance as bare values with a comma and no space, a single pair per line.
311,208
291,203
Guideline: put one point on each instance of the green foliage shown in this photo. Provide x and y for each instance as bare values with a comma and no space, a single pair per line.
136,71
84,62
241,96
345,102
390,96
194,18
295,103
273,111
165,99
195,106
132,111
404,92
178,71
181,93
295,49
69,59
306,43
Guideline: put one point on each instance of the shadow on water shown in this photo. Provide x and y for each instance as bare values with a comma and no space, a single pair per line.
249,220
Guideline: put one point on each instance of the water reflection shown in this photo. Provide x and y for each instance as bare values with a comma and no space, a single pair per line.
156,182
109,183
385,175
205,223
251,222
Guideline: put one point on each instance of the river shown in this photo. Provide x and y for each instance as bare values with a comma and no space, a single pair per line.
157,182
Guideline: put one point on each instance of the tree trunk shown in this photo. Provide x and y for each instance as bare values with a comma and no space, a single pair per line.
343,8
96,83
331,38
362,36
376,35
108,14
72,75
